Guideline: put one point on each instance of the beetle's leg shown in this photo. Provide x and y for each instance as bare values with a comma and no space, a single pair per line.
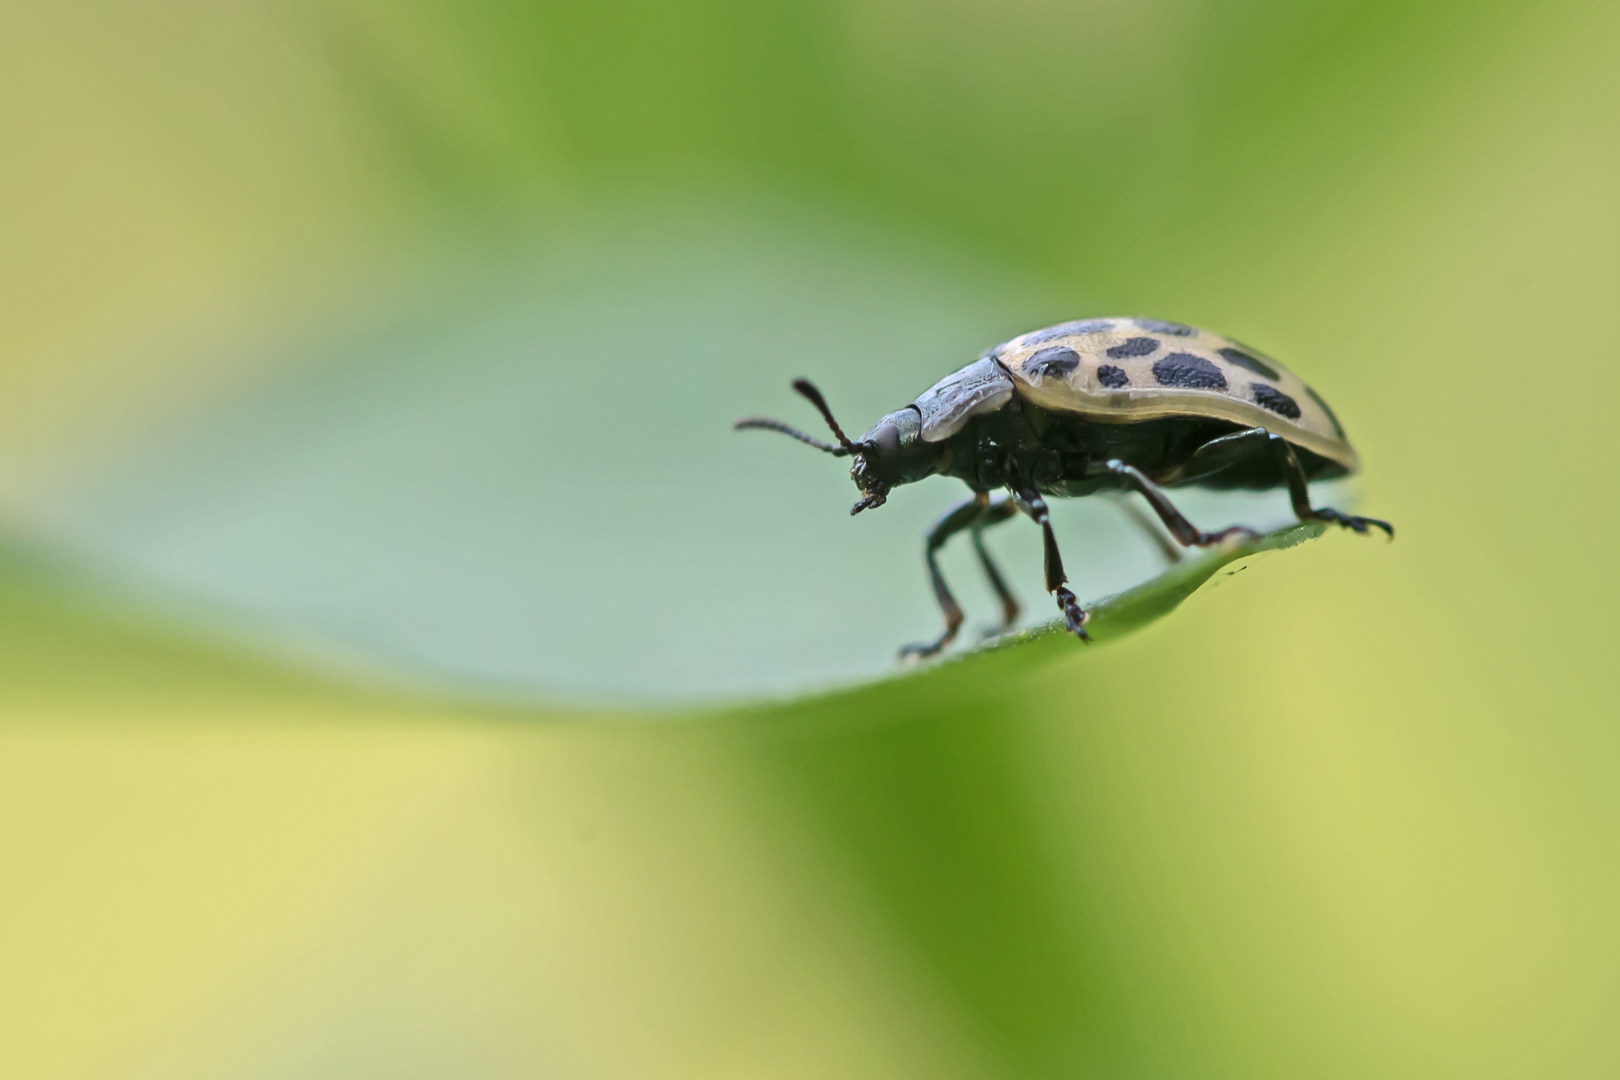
993,514
1150,529
1217,454
1074,619
955,520
1188,534
1299,493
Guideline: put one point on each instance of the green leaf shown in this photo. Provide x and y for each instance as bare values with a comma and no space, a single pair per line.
1111,617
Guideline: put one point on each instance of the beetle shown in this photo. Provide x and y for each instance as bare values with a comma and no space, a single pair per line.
1096,404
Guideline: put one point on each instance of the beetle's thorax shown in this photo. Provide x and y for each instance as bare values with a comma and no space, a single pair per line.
1014,447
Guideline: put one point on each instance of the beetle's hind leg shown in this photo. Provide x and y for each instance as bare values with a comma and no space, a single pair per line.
1074,617
1300,495
993,514
1185,532
955,520
1218,454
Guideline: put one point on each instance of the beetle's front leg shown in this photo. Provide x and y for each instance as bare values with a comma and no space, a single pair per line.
955,520
1074,618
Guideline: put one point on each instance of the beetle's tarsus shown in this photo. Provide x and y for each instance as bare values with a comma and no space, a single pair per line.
922,650
1074,616
1353,522
1210,539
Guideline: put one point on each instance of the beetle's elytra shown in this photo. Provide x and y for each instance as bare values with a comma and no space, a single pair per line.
1110,403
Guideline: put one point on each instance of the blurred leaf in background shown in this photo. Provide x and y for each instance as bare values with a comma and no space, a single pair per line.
363,366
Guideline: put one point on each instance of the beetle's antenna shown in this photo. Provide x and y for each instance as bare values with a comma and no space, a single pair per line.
808,389
765,424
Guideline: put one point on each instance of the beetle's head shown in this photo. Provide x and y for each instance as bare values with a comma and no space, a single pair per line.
892,453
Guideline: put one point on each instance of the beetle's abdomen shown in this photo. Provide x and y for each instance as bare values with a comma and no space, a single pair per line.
1122,370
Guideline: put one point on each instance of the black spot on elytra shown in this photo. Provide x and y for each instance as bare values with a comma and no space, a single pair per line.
1250,363
1083,326
1186,370
1136,346
1338,428
1112,377
1056,360
1158,326
1269,397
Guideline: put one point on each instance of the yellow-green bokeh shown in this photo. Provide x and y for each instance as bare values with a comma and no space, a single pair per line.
1350,814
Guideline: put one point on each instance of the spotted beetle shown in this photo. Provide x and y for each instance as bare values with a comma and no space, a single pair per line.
1098,404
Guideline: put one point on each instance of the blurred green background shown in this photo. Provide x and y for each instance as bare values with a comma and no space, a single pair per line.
365,373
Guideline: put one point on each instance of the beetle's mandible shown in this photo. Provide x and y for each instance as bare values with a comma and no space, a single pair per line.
1109,403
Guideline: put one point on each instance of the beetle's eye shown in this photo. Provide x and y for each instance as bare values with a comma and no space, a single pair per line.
888,442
